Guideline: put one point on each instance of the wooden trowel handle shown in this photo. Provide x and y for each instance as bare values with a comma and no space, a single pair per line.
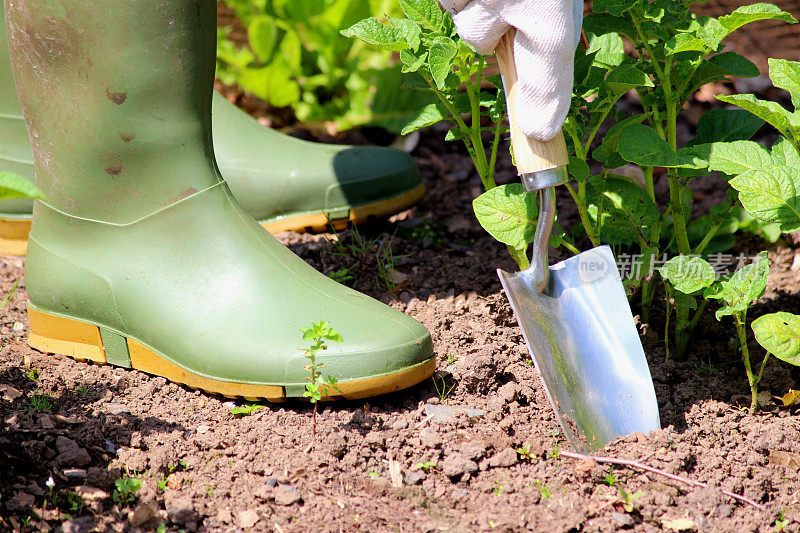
530,155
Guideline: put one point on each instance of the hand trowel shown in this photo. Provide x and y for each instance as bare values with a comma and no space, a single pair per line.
574,315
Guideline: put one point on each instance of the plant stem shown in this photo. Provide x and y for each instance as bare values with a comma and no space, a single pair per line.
579,198
678,217
740,319
520,257
761,370
490,184
648,183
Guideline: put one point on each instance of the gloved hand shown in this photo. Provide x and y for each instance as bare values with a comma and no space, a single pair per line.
548,32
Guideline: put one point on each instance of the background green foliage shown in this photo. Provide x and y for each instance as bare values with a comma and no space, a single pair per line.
297,57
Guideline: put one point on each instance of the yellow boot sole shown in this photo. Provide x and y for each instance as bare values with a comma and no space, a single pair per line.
83,341
14,232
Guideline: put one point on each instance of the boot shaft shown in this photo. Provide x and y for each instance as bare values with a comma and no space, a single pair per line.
117,101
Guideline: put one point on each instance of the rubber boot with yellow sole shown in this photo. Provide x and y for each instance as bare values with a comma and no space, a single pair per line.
283,182
141,257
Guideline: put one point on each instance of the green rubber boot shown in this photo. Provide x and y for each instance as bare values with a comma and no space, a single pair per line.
141,257
283,182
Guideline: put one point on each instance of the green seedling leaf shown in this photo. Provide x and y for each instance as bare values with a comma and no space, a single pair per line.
442,52
509,214
688,274
428,116
726,125
246,409
745,286
16,186
623,208
426,13
779,117
608,50
608,151
753,13
786,75
396,35
779,334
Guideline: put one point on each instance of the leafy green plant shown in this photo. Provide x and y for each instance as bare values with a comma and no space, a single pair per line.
673,52
297,57
125,489
318,333
687,278
427,466
246,409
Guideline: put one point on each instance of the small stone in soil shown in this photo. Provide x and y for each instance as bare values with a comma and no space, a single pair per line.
415,478
286,495
456,465
473,450
247,519
179,506
70,454
505,458
446,413
75,473
622,520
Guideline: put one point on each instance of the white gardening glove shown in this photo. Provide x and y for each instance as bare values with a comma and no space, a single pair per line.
548,32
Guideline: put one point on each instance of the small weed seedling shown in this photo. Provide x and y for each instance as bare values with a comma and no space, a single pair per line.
373,475
40,402
627,499
498,488
246,409
427,466
125,489
442,391
33,374
525,453
610,479
544,490
372,256
317,334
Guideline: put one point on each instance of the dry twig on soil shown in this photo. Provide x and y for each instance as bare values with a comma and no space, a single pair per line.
641,466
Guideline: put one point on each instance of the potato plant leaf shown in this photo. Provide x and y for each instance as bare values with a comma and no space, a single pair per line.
16,186
621,207
786,75
398,34
787,123
643,146
440,57
753,13
427,116
726,125
771,195
744,287
779,334
735,157
688,274
509,214
426,13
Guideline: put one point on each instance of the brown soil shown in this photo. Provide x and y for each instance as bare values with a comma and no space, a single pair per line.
264,471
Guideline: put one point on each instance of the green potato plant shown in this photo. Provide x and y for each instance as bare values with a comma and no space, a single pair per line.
296,57
317,334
